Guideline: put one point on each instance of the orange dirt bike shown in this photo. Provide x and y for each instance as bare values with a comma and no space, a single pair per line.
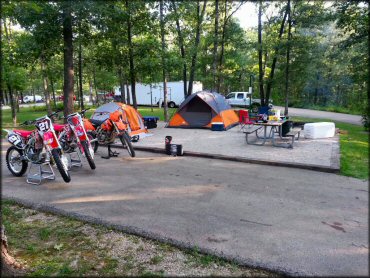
73,135
105,132
36,146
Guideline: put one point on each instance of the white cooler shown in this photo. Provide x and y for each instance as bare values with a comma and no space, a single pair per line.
319,130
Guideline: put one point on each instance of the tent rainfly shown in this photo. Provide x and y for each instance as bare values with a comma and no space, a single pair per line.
134,118
201,109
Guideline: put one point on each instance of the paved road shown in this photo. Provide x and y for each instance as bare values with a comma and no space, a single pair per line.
295,221
340,117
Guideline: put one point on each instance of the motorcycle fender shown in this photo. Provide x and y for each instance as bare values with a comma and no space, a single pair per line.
50,140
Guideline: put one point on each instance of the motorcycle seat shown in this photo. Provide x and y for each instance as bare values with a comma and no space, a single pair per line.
96,123
58,127
23,133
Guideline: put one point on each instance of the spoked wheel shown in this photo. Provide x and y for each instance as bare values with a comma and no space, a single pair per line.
94,144
89,153
14,162
61,162
126,142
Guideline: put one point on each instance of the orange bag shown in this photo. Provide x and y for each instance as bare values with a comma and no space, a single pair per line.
115,116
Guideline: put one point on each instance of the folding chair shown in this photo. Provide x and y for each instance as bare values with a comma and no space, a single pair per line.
244,119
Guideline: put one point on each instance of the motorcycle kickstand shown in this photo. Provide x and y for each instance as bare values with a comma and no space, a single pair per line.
110,153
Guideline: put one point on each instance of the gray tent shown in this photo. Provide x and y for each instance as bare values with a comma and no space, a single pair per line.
200,109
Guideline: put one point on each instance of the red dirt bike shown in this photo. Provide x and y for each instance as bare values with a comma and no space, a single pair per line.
105,132
35,146
73,135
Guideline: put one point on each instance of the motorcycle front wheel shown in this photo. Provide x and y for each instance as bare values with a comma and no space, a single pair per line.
88,155
94,144
61,167
126,142
15,164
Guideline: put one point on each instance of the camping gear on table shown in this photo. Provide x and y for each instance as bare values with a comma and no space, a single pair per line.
319,130
201,109
135,123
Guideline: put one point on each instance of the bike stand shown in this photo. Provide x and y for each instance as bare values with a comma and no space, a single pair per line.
110,153
74,162
41,174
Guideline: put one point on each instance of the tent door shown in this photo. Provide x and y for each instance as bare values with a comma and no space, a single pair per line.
197,113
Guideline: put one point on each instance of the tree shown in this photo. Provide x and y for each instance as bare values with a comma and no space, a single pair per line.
200,16
68,58
161,8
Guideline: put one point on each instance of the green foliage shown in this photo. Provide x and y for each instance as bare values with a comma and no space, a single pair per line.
328,63
354,148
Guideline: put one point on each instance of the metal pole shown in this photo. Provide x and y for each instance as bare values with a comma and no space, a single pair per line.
151,97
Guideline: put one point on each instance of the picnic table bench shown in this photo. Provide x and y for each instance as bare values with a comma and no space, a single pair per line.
275,128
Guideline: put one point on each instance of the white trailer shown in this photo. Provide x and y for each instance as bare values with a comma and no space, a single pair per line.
152,94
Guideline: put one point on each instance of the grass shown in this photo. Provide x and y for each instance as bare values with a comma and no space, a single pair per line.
354,148
50,245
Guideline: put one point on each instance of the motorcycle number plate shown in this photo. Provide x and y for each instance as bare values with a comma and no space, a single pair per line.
15,139
43,125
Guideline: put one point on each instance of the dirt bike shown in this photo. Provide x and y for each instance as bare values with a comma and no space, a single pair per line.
105,132
35,146
73,135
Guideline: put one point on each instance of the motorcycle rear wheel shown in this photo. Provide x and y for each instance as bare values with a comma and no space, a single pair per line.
62,169
9,162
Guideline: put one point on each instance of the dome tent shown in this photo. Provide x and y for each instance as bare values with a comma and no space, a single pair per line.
133,117
201,109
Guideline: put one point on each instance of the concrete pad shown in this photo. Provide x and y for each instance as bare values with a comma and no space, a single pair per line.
295,221
232,143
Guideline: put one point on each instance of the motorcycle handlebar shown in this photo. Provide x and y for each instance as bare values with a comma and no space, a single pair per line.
83,111
29,122
54,113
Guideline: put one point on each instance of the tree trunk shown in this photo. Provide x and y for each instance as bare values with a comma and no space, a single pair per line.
68,59
197,39
287,61
9,266
16,100
91,91
182,48
96,90
271,75
131,56
163,62
221,58
128,93
45,84
260,70
53,91
12,105
122,85
80,72
215,46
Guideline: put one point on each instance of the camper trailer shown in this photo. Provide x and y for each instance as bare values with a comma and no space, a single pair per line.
152,94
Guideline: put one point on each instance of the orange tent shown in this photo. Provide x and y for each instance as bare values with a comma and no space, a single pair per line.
201,109
130,115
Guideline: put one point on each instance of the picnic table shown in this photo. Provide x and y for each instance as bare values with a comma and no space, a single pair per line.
274,133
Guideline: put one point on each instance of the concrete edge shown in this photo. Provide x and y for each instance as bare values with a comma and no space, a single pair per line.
186,246
334,168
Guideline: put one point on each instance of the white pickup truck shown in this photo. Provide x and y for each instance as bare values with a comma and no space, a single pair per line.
243,99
